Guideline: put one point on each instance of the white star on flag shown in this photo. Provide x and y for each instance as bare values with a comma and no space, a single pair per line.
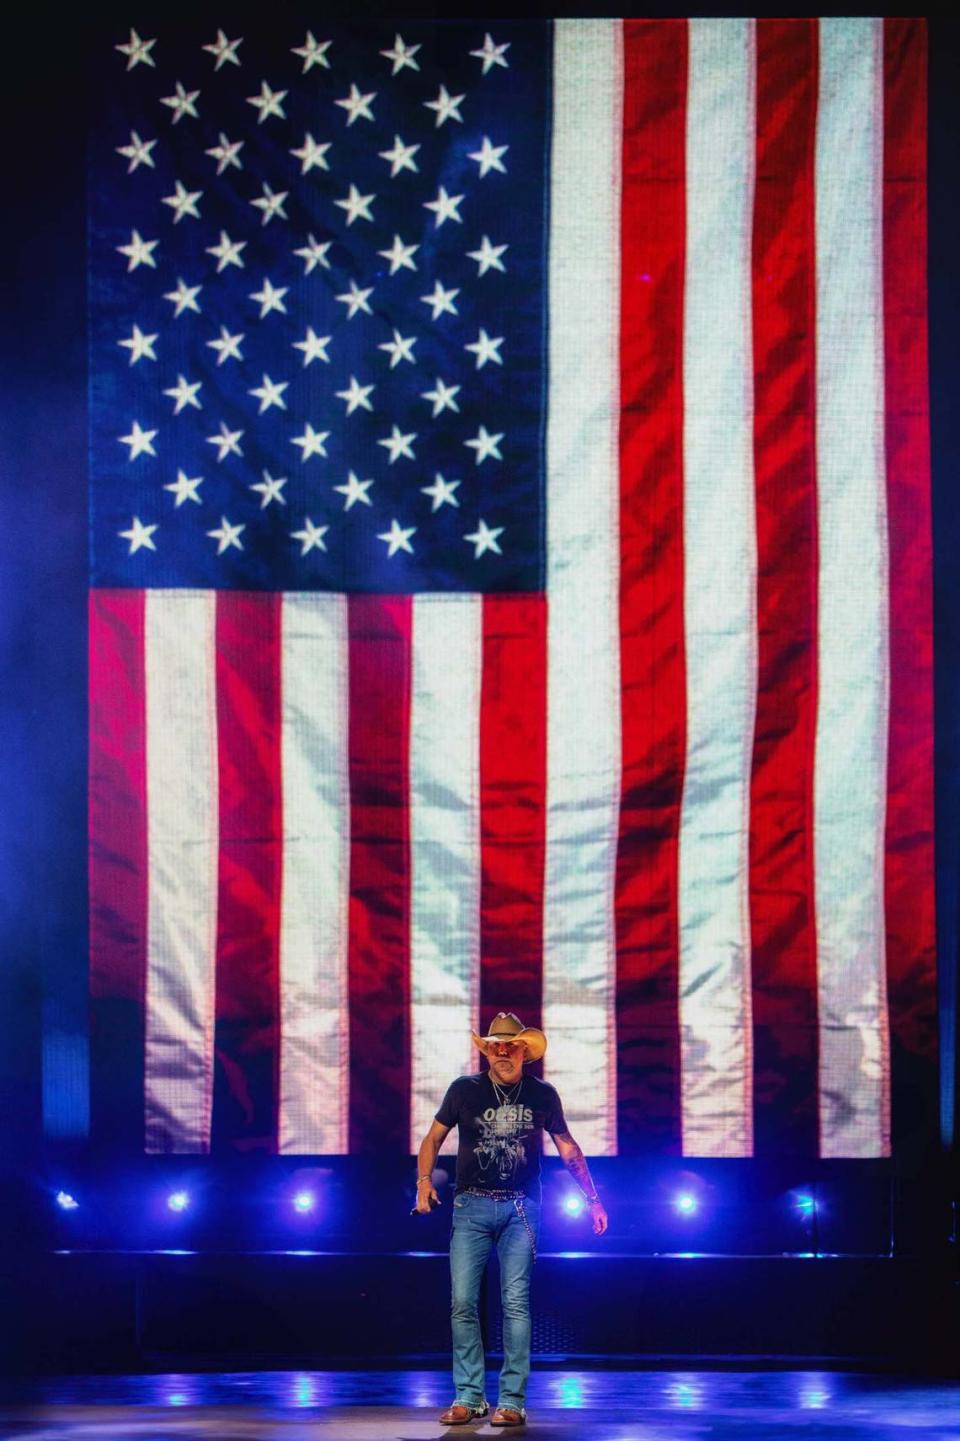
140,441
139,345
184,488
268,102
270,488
183,202
139,535
485,348
226,153
399,255
484,539
356,299
270,392
354,490
311,536
184,393
488,256
356,205
445,207
446,106
485,445
491,54
227,347
442,397
401,55
399,348
441,492
314,346
441,301
139,251
137,51
271,204
181,102
313,52
399,444
397,538
227,442
137,152
356,395
311,154
227,535
357,105
489,157
184,297
311,442
314,253
270,297
227,252
224,50
400,157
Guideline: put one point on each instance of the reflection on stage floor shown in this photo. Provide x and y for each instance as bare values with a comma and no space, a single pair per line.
606,1405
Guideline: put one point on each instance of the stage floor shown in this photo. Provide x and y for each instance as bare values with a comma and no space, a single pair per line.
606,1405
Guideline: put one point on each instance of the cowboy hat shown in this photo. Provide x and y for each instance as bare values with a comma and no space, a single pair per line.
505,1026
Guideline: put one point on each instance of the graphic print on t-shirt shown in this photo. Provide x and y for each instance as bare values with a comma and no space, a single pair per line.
500,1150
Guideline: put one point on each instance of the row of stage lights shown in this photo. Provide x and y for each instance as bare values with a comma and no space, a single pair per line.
573,1204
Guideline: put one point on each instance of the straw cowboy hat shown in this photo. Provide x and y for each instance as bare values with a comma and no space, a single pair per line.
505,1026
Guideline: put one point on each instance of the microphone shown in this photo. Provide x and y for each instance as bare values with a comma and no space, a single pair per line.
433,1203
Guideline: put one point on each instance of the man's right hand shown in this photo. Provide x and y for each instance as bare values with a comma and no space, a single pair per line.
427,1197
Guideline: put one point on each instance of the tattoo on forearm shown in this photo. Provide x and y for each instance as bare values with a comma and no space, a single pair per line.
577,1166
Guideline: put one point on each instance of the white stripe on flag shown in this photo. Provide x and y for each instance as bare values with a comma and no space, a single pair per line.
853,686
447,658
583,665
719,593
314,1024
182,861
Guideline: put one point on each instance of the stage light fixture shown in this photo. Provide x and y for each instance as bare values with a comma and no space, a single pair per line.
573,1203
304,1202
686,1203
66,1202
178,1200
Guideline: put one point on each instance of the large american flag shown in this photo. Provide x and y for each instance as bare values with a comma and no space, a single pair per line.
510,547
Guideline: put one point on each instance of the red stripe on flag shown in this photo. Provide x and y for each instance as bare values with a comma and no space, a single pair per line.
651,582
250,860
379,946
118,863
512,806
783,932
909,877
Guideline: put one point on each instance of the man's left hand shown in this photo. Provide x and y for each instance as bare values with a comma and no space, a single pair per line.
599,1217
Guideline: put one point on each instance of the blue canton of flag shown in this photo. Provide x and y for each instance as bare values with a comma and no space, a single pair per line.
318,297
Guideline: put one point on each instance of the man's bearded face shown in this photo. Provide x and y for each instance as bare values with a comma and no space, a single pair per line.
506,1061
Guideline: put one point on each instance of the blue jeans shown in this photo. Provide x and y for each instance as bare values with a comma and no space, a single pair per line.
479,1223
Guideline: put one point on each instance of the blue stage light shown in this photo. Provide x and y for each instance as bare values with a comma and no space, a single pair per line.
573,1203
806,1204
66,1202
571,1391
178,1200
686,1203
304,1202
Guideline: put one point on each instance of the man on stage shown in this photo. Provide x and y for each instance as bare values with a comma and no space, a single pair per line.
502,1115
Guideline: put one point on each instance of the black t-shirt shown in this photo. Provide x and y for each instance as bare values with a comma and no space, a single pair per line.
501,1145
